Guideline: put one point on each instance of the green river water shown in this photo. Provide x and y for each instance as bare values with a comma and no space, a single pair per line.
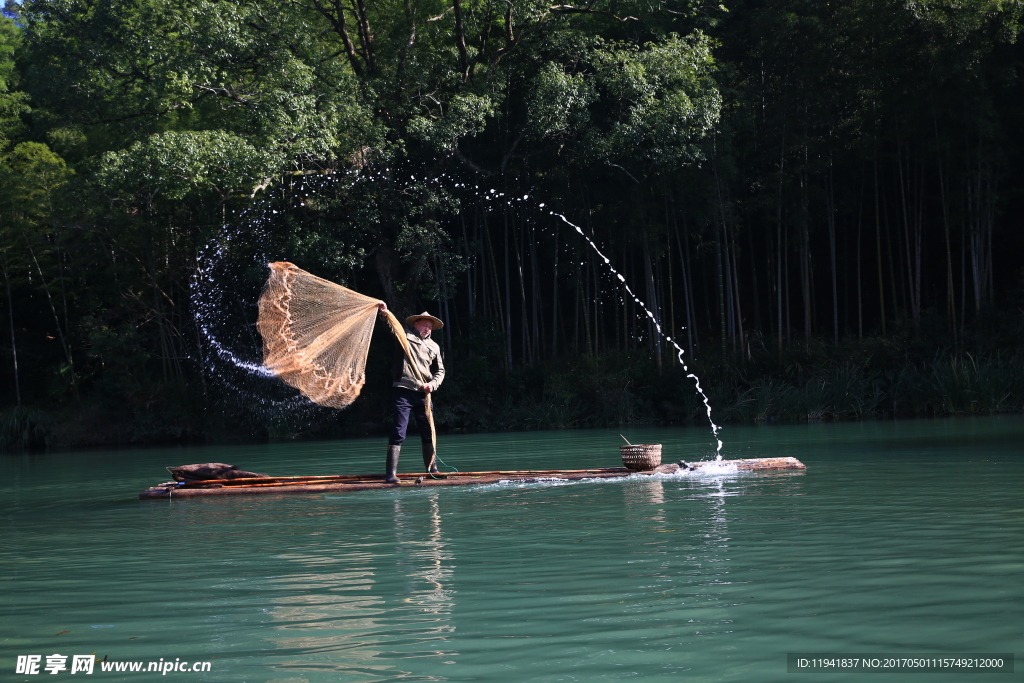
900,538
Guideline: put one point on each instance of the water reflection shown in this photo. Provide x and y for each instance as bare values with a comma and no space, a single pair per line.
645,502
325,611
430,562
364,608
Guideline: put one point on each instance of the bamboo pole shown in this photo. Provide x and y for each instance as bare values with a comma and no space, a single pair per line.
357,478
298,480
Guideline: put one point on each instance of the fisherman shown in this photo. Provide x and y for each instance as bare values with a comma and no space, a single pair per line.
409,394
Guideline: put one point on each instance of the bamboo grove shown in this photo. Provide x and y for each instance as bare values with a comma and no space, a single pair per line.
800,192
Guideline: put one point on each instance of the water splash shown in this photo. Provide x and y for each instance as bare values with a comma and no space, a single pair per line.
223,293
713,470
494,194
205,296
654,319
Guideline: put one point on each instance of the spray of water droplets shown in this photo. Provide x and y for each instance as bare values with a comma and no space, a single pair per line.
208,298
224,290
209,293
654,320
494,194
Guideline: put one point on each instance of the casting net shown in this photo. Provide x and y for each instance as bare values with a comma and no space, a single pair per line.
316,335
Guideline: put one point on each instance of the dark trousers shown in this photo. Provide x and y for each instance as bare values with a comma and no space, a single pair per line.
406,401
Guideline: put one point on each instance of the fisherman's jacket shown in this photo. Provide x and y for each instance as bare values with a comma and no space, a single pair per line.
427,356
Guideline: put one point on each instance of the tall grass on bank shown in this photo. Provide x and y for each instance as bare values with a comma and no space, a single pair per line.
578,391
21,429
959,385
967,385
570,395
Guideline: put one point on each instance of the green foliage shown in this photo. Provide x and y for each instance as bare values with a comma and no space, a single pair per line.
465,115
621,389
966,20
175,164
13,103
30,174
132,69
662,100
560,102
966,385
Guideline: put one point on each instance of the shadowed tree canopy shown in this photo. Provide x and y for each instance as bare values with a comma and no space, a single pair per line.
770,177
174,97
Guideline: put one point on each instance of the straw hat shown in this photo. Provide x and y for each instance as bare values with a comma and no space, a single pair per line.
435,324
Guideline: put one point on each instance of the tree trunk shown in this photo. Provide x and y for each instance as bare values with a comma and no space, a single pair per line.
683,245
778,243
721,288
460,41
878,252
736,295
470,270
501,310
720,263
538,320
56,319
14,345
671,284
755,290
554,302
830,206
577,298
805,251
523,318
860,223
652,301
691,308
508,298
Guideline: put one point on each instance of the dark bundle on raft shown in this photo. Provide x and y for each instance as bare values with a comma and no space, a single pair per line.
210,470
363,482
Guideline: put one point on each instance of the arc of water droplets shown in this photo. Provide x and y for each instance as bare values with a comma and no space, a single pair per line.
227,355
212,254
259,369
682,361
622,279
201,307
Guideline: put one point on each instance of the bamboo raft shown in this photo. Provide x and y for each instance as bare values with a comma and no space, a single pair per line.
366,482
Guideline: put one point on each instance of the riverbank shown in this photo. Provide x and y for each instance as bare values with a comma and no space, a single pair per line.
856,380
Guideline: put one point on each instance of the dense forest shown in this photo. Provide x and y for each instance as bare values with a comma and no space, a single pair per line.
819,202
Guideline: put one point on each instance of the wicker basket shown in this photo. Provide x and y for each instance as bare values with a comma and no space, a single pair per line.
639,457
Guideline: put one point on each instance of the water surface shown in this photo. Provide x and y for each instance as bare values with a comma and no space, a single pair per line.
901,537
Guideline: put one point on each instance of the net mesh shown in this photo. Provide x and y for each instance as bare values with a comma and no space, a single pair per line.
316,334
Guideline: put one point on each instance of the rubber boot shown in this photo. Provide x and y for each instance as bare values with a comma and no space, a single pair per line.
391,477
429,455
